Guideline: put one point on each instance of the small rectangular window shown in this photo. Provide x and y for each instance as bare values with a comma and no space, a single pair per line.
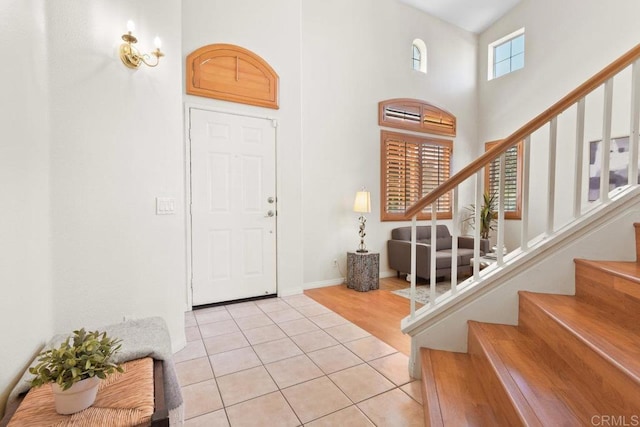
506,55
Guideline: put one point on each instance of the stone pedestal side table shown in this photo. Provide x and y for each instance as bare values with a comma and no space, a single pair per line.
363,271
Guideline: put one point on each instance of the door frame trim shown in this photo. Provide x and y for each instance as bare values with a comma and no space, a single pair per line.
188,106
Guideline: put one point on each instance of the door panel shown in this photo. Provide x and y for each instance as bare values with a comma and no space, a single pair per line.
232,179
253,259
219,169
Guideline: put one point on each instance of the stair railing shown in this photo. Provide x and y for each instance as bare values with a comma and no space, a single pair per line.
476,169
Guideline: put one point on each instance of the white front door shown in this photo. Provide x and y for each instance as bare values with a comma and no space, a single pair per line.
233,206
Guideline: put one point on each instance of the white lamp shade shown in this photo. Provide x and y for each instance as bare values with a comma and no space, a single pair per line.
362,203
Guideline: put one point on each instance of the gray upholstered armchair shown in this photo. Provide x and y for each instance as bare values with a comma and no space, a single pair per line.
399,251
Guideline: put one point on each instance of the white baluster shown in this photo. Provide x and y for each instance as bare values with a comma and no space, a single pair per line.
578,184
605,145
434,238
477,221
524,222
413,265
551,196
635,124
455,233
501,185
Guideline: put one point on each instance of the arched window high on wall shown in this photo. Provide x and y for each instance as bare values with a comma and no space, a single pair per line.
413,165
419,56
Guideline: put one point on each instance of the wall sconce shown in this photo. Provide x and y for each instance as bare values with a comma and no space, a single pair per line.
131,57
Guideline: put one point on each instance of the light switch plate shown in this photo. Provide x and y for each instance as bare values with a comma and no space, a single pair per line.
165,206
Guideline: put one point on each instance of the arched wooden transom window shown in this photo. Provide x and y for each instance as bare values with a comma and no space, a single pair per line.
232,73
416,115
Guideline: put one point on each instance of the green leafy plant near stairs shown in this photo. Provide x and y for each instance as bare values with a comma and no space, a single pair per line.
488,214
81,356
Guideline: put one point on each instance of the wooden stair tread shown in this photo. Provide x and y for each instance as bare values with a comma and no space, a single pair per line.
540,394
457,391
618,345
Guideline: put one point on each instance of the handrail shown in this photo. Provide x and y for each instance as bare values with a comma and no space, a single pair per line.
574,96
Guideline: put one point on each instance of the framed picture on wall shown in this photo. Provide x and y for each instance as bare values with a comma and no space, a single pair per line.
618,165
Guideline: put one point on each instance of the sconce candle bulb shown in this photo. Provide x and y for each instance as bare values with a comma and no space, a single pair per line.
131,57
157,42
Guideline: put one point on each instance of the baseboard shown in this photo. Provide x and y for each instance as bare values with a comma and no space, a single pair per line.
342,280
389,273
324,283
311,285
290,292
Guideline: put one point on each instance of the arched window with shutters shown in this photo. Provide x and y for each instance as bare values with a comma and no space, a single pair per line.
411,166
416,115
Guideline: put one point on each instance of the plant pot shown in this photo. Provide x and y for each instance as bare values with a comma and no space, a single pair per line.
80,396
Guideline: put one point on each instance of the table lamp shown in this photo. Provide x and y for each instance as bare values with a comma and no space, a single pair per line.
362,205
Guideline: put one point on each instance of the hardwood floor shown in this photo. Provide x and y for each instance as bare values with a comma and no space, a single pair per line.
379,312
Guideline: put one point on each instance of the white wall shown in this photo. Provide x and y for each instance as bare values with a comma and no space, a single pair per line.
26,312
354,54
336,60
566,43
116,144
87,145
271,30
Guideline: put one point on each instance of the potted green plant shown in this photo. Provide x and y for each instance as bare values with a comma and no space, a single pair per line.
75,369
488,214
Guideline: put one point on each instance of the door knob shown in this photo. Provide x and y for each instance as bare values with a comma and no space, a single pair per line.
269,214
271,200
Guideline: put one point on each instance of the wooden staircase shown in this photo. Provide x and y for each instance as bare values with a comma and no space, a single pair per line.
572,360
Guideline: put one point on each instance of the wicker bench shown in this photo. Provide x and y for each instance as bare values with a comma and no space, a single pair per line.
132,398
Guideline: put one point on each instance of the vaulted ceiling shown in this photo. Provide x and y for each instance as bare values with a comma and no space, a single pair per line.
471,15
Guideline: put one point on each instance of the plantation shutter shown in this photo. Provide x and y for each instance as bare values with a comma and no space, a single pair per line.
511,182
436,168
409,115
411,168
395,176
416,115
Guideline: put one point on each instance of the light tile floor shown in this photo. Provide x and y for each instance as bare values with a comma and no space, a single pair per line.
290,362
